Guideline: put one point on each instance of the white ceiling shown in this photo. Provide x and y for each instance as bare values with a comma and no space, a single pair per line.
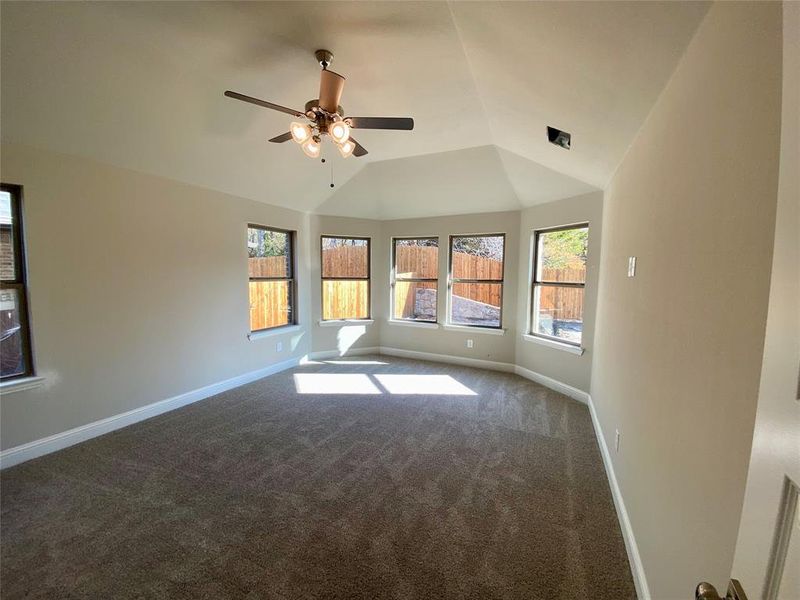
140,84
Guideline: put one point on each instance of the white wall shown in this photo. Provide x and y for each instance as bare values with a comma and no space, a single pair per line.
574,370
138,290
678,348
776,440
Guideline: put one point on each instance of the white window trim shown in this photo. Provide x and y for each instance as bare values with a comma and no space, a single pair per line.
474,329
257,335
343,322
410,323
21,384
553,344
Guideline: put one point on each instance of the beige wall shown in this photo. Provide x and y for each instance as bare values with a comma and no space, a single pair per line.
776,440
444,341
138,290
678,348
567,368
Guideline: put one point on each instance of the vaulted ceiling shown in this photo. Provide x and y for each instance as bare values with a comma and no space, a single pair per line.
139,85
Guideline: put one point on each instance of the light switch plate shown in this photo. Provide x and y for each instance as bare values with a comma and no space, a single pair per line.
279,347
631,266
469,344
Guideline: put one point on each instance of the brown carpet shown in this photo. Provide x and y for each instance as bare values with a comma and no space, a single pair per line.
495,489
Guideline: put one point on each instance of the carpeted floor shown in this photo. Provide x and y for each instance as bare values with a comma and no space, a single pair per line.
384,478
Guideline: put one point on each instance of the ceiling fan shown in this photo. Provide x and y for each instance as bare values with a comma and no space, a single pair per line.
326,116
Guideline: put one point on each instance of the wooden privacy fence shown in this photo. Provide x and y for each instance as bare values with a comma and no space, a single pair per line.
268,266
269,300
563,303
423,262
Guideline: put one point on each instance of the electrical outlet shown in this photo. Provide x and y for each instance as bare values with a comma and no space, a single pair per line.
279,347
469,344
631,266
616,442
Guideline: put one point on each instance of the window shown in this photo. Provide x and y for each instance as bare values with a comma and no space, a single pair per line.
476,280
415,267
345,278
559,279
270,264
15,339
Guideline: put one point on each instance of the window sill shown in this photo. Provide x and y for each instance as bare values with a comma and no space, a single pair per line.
21,384
257,335
344,322
420,324
468,328
553,344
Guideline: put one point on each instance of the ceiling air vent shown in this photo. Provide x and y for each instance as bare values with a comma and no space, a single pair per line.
558,137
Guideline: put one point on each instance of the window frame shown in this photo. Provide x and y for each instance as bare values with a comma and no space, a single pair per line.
451,281
20,281
536,281
394,279
323,279
291,277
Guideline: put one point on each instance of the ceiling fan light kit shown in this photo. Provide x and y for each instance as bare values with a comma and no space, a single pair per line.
326,116
312,147
300,132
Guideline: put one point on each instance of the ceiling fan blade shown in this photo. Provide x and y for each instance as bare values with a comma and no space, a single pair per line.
359,149
284,137
264,103
330,90
404,123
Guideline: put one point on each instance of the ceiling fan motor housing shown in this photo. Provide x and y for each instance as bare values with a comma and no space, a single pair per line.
312,109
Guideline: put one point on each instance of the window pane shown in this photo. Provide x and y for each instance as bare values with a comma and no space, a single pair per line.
415,300
12,345
417,259
345,299
478,257
269,253
562,255
270,304
7,258
476,304
558,312
345,257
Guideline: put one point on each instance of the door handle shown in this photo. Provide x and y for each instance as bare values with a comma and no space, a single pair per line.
706,591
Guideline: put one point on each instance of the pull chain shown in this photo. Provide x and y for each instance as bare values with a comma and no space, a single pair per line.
323,162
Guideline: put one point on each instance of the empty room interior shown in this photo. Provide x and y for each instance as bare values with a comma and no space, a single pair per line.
402,300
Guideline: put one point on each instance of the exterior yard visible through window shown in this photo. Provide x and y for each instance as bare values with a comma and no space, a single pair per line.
559,281
476,280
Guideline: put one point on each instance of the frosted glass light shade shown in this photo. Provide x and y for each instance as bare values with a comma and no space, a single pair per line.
346,149
339,131
300,132
312,148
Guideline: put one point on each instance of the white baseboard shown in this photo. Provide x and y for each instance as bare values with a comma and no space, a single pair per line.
323,354
447,358
553,384
635,559
18,454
